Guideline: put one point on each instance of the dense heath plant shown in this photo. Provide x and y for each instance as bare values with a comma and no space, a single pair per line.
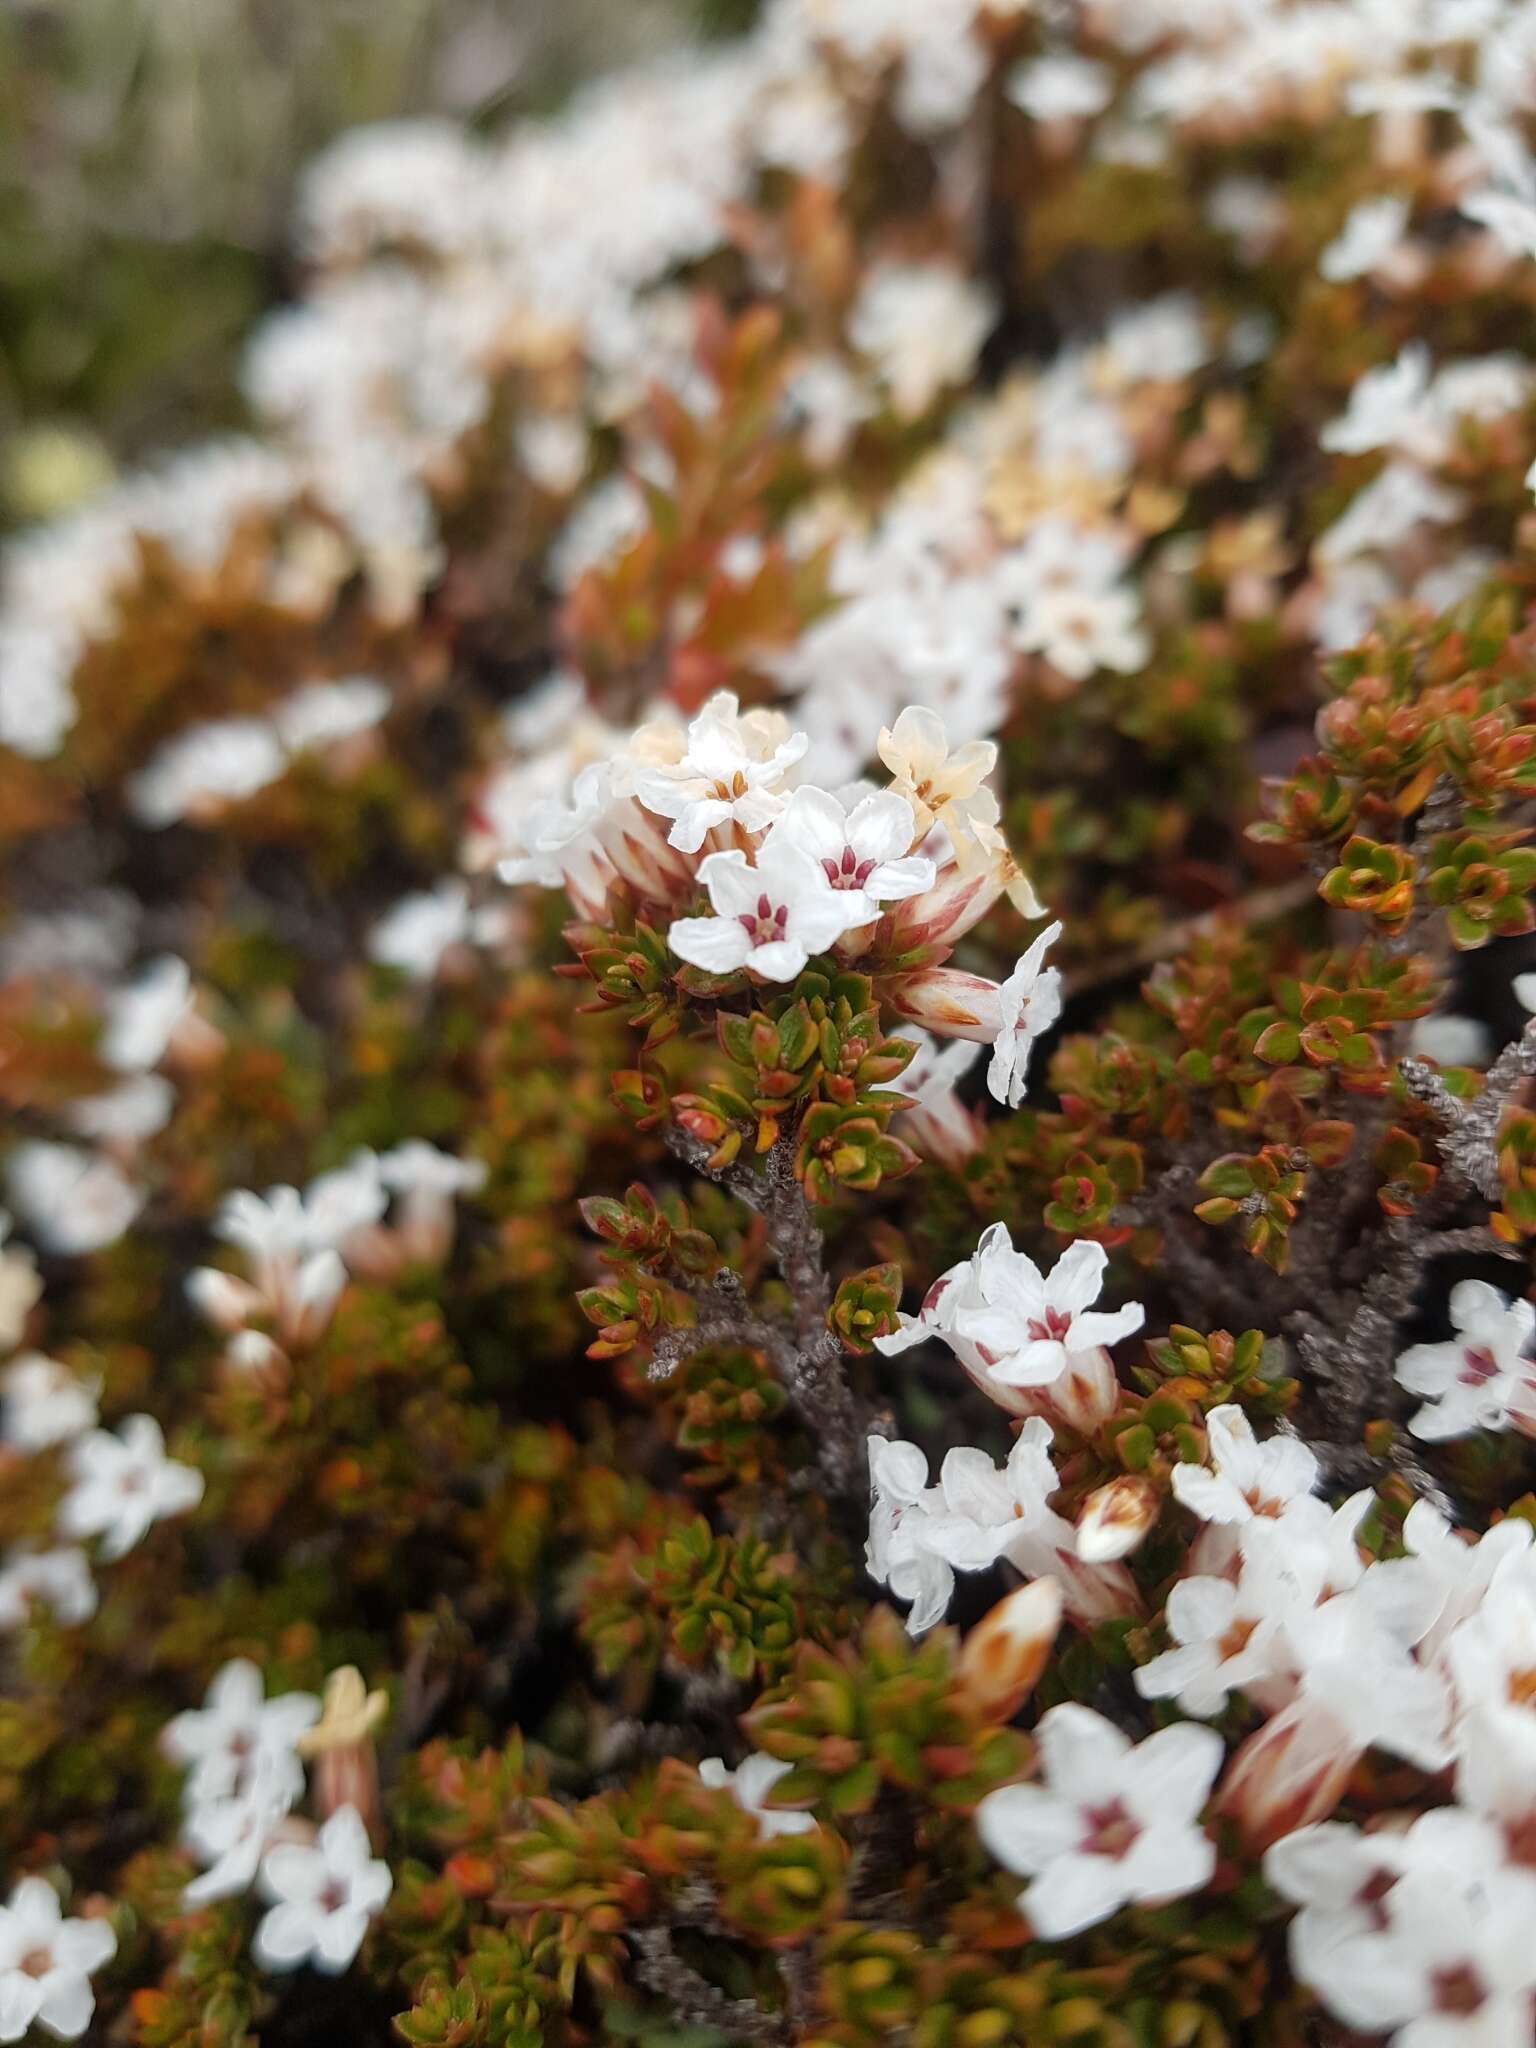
769,1127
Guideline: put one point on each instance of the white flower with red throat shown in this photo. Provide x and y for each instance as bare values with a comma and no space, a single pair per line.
46,1964
237,1730
1028,1004
1249,1478
1431,1942
323,1896
865,853
1482,1377
729,774
125,1483
1113,1823
770,918
1032,1324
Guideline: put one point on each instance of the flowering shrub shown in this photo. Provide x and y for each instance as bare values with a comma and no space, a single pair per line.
769,1133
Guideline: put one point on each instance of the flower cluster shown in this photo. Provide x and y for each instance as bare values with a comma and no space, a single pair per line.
761,1018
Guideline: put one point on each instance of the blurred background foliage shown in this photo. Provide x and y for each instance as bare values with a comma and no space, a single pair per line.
148,153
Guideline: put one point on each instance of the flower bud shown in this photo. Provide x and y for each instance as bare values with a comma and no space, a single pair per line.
1291,1772
950,1003
1087,1393
340,1747
1003,1656
1116,1517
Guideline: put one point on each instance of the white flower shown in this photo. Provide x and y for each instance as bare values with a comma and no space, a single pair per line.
1029,1002
1113,1823
323,1897
729,773
863,852
1391,407
237,1731
945,1312
894,1554
60,1578
20,1288
142,1018
426,1181
125,1483
1431,1938
941,783
922,325
749,1785
1387,512
1373,232
230,1836
1478,1377
1230,1635
44,1403
323,713
46,1963
770,918
124,1116
1079,631
421,928
1250,1478
199,772
938,1122
1033,1323
1060,86
75,1202
1058,554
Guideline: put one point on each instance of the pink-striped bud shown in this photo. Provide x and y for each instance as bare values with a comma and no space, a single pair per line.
1087,1392
943,914
1004,1655
1291,1772
948,1002
1116,1518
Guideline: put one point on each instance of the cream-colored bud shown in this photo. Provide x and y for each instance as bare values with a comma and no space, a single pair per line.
1116,1517
1003,1656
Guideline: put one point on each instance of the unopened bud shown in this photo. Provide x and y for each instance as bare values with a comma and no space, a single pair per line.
1291,1772
1087,1393
1116,1517
1003,1656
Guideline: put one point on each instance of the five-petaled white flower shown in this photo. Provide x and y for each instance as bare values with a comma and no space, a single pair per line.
323,1895
236,1729
125,1483
749,1785
1482,1375
1029,1002
1250,1478
729,773
43,1403
864,852
1114,1822
770,918
46,1964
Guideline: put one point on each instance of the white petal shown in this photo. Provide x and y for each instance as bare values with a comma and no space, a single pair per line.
717,944
1081,1751
1076,1892
1026,1828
